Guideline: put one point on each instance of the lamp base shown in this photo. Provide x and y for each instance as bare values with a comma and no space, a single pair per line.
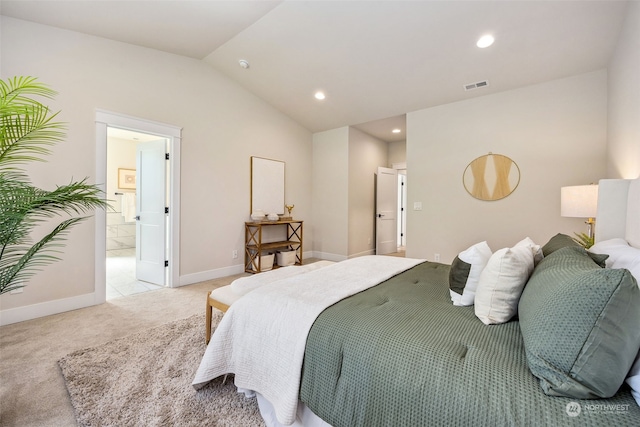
591,223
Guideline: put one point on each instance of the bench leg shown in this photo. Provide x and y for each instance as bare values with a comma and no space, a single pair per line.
208,320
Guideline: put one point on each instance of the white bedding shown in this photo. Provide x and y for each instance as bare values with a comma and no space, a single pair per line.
262,337
247,284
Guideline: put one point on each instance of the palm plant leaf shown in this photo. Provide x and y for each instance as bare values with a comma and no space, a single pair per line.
17,91
23,206
27,131
21,262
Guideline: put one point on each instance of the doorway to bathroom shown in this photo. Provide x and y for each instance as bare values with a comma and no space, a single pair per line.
126,152
138,166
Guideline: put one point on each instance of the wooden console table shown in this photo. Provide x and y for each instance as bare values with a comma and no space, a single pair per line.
254,246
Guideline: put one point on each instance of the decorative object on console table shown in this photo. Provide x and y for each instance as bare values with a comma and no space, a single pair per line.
255,249
581,201
289,209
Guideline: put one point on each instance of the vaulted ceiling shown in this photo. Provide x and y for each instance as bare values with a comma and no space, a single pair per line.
373,59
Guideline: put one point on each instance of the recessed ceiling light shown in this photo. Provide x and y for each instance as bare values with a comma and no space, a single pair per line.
396,131
485,41
244,63
320,95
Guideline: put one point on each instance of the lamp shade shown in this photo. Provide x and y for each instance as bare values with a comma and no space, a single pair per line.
580,201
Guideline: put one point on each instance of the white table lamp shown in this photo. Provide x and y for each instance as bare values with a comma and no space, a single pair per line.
580,201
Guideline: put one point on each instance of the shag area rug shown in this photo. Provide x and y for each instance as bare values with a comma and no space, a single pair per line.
145,380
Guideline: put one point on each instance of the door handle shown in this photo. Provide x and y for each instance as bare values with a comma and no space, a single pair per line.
137,217
380,215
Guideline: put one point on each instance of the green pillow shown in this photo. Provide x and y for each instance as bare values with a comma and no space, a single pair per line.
558,241
579,324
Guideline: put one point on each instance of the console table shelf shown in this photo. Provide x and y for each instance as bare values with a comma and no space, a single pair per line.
254,246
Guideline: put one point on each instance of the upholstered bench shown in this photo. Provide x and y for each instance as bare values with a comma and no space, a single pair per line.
223,297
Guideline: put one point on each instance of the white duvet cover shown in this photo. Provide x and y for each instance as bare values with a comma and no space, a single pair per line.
262,337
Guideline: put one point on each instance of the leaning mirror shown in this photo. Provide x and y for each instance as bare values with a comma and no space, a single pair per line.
267,185
491,177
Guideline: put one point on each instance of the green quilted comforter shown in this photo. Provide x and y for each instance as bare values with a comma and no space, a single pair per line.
400,354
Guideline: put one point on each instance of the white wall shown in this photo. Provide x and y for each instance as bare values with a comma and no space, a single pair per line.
120,154
555,132
397,152
223,126
623,150
366,153
330,193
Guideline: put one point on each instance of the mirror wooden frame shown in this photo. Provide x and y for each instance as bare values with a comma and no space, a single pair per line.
267,185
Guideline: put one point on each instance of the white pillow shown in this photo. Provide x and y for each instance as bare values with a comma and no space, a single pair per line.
633,379
621,255
501,284
465,272
535,249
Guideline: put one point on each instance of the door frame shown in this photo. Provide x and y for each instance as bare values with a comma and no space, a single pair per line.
105,119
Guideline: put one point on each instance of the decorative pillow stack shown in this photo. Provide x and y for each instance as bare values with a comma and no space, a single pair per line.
579,324
465,273
502,281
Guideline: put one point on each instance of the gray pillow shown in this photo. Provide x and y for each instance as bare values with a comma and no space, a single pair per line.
579,324
558,241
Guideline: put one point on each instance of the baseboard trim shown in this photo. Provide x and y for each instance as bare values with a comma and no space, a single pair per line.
47,308
203,276
329,256
359,254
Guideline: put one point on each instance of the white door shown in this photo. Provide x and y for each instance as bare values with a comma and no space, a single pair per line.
150,211
386,208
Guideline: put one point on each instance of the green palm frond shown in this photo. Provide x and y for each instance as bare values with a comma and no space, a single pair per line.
27,127
17,91
584,240
23,206
27,131
21,262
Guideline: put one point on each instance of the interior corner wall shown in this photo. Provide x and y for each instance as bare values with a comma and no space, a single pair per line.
330,194
366,154
623,145
555,132
397,153
223,125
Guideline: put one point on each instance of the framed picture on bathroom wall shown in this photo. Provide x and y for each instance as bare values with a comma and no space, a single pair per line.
127,179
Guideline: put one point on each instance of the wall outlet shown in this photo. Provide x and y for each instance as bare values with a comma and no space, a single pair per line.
417,206
436,257
369,241
234,254
17,291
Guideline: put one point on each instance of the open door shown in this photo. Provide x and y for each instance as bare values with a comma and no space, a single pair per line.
150,211
386,211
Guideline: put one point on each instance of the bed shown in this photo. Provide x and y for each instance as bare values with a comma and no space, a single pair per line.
390,348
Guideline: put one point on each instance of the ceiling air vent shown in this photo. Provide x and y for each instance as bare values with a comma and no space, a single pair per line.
472,86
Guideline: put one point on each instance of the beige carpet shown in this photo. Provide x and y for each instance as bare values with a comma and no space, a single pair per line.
145,380
32,389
